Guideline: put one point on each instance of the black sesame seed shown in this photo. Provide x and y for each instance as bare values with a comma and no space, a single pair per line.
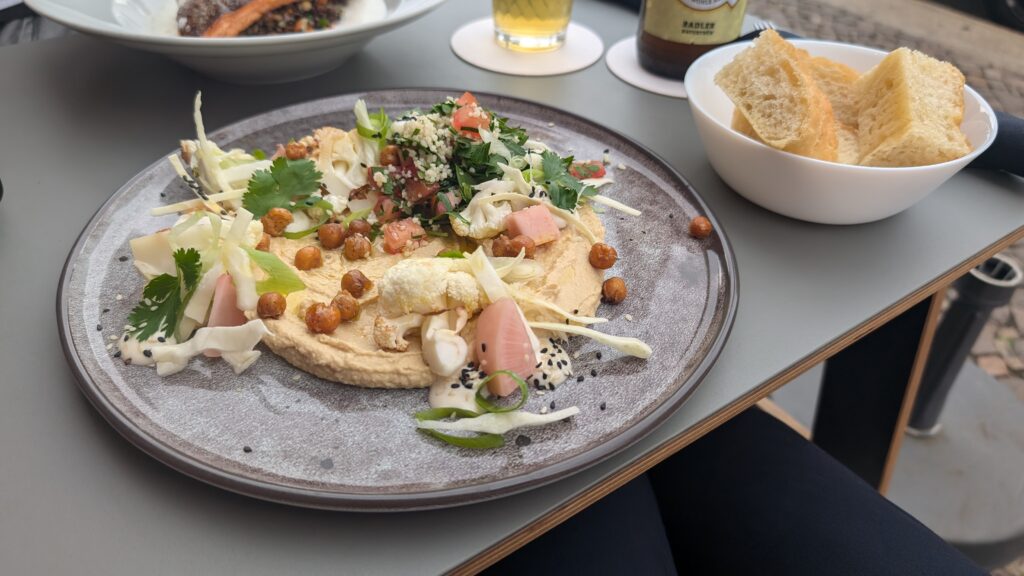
538,365
246,449
99,327
576,311
105,310
550,363
544,375
161,339
117,354
598,355
163,195
552,405
579,378
543,350
123,259
223,212
606,150
603,406
125,337
670,215
456,385
147,353
467,385
483,346
522,440
470,366
593,372
566,320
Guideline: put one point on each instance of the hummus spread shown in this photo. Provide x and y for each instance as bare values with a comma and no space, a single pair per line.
350,355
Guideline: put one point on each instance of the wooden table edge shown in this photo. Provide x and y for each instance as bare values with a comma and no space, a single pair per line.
647,461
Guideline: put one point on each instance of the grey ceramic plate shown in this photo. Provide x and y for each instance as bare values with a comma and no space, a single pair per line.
280,434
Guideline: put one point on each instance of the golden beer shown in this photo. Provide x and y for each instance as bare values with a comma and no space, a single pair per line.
531,25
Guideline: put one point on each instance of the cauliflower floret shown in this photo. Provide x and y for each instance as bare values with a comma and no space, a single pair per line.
427,286
390,334
481,218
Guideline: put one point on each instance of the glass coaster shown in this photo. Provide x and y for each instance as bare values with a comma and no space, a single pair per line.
475,44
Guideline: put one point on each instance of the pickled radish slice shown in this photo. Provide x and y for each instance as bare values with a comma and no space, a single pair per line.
503,343
224,311
535,222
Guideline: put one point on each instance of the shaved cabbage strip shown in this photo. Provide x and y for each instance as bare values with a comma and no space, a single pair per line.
626,345
521,296
615,204
499,422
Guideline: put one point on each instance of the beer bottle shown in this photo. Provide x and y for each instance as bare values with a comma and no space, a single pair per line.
674,33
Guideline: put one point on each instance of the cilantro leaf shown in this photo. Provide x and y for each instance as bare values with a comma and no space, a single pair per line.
563,190
285,183
165,296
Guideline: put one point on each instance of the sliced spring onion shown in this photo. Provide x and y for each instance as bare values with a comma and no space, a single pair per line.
488,406
442,413
626,345
280,277
451,254
499,423
357,215
479,442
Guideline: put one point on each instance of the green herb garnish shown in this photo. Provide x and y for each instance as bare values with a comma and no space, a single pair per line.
477,442
280,277
563,190
259,154
165,296
451,254
488,406
285,185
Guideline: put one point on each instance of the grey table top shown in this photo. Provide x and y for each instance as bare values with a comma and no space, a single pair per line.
79,118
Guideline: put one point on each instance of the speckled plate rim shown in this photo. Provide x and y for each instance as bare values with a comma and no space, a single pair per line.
433,499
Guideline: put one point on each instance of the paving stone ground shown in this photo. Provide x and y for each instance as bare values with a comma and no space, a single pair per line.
999,349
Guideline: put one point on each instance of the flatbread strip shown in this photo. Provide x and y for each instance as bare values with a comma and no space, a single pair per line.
235,22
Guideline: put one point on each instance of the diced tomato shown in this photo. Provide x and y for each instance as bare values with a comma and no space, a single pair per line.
468,120
454,199
584,170
417,191
535,222
397,234
466,99
386,210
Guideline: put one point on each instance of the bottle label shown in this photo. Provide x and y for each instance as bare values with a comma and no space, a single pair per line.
694,21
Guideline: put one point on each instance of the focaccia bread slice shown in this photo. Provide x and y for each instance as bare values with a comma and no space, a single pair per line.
910,109
836,80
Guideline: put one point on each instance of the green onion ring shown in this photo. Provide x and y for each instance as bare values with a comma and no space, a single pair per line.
486,404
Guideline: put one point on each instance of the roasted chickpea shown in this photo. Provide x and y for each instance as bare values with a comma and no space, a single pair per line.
390,155
308,257
270,305
264,243
347,305
295,151
356,247
331,235
359,227
355,283
603,256
275,221
613,290
521,242
322,318
700,227
502,247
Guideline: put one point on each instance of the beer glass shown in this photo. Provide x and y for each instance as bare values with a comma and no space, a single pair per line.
531,25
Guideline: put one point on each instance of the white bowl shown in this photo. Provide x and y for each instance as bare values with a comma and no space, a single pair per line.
245,60
809,189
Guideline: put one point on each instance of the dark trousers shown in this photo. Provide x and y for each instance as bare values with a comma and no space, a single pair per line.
752,497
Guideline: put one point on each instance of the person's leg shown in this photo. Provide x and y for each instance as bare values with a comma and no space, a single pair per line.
754,497
620,534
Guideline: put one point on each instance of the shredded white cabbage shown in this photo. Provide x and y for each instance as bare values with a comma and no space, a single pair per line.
626,345
499,423
235,343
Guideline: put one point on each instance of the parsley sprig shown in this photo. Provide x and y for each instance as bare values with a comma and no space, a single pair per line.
287,184
563,190
165,296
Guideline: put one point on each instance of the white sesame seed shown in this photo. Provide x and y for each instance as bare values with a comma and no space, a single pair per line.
109,346
607,158
576,355
297,377
544,410
551,123
112,338
628,317
621,166
119,297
